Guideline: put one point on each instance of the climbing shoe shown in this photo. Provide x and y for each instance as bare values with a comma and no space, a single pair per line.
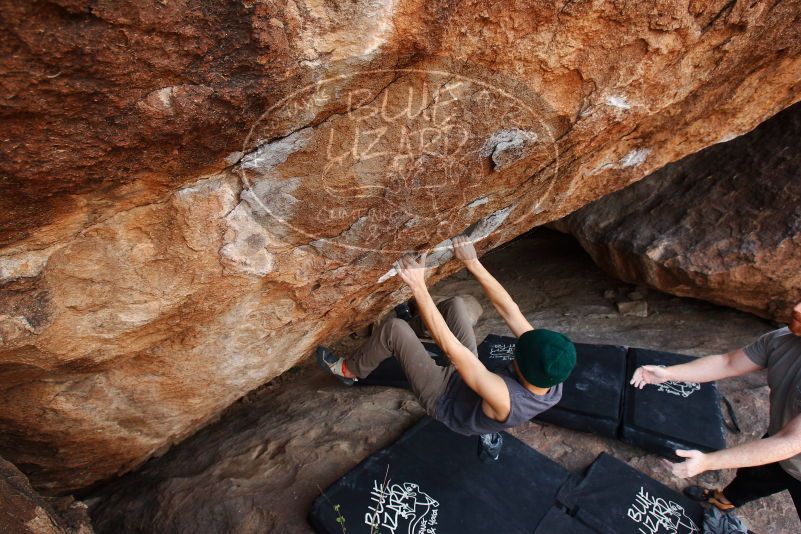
332,363
713,497
489,447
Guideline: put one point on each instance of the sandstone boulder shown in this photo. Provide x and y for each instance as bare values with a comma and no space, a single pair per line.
194,197
722,225
23,511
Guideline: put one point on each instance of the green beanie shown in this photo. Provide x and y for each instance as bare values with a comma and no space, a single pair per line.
545,358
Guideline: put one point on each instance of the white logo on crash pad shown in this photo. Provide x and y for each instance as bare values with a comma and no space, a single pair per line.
502,352
680,389
401,508
655,515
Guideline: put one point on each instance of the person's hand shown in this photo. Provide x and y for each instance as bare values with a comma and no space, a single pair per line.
649,374
463,248
695,464
412,272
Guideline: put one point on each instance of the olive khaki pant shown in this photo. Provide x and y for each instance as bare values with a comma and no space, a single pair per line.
396,337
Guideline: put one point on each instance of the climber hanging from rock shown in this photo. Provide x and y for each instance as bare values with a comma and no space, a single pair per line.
465,396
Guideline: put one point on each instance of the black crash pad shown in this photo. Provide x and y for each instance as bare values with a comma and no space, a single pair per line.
672,415
615,498
597,397
432,479
558,521
591,396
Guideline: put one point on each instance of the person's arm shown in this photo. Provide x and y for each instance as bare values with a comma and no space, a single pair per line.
783,445
706,369
487,385
507,308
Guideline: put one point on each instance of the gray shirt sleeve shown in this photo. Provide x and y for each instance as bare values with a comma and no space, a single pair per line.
758,351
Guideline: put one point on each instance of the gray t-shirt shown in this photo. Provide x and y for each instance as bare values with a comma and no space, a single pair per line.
780,352
460,407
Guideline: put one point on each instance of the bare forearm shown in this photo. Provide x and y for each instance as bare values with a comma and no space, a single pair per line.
764,451
706,369
499,297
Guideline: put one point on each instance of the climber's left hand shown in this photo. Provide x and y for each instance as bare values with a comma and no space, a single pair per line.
412,271
694,464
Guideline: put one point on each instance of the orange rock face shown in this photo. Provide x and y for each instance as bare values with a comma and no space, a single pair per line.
193,198
722,225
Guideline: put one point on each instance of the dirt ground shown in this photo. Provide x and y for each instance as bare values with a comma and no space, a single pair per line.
259,467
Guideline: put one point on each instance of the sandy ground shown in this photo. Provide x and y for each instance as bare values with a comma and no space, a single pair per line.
262,464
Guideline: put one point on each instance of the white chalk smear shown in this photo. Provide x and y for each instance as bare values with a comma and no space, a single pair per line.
618,102
635,157
478,202
443,252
